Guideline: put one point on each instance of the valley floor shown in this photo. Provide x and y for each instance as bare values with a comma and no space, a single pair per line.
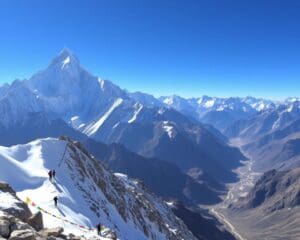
253,224
247,178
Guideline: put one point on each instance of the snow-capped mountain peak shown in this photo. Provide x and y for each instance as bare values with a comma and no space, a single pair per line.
63,90
65,59
65,63
63,76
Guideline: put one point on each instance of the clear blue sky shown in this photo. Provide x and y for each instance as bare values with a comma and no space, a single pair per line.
224,48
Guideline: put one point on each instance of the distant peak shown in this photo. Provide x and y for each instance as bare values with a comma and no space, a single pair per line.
66,52
65,58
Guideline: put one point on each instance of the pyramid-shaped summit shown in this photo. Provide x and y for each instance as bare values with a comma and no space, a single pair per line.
65,59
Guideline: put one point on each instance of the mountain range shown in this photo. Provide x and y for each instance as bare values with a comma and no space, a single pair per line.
64,99
172,156
271,137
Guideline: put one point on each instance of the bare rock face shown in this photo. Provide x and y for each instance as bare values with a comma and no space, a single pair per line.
21,210
36,221
16,225
13,228
23,235
5,187
4,228
51,232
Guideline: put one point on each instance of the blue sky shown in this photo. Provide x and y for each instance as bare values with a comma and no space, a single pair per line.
188,47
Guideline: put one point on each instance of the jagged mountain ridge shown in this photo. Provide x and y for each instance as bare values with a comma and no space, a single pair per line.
265,122
103,111
271,137
83,183
219,112
60,89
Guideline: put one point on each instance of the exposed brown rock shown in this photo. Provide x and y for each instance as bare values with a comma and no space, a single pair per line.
36,221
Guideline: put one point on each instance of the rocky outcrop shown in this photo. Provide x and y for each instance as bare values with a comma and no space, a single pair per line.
53,232
36,221
18,223
12,228
23,235
4,228
19,208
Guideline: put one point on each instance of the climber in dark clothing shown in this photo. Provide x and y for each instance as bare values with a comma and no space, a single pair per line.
53,173
99,229
55,199
50,174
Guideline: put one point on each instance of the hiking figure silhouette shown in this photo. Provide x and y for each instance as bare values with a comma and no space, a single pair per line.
53,173
98,228
55,200
50,174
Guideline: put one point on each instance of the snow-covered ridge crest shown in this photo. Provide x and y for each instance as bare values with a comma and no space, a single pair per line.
88,193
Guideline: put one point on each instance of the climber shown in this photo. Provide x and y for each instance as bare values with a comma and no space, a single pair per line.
99,229
53,173
55,200
50,173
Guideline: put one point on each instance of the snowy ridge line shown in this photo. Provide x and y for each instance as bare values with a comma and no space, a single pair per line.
28,201
63,156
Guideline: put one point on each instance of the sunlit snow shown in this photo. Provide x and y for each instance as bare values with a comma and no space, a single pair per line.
65,62
93,127
169,129
135,114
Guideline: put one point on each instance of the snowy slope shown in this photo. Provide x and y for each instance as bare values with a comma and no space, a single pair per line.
88,193
94,127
